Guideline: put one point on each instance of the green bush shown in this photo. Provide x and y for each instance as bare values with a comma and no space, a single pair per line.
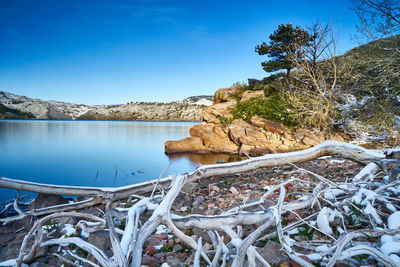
273,108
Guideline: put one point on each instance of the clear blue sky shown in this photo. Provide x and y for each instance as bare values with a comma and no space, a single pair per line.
108,52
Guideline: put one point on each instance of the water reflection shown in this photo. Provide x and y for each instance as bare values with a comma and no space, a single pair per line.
204,159
92,153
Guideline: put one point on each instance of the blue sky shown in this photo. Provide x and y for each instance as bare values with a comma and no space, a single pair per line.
109,52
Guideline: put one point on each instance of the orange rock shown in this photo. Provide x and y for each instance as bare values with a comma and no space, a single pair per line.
247,95
269,125
189,144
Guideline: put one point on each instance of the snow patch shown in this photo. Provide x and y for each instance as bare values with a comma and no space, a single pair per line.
68,230
390,247
394,220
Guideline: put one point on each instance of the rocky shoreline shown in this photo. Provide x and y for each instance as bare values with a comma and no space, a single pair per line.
256,137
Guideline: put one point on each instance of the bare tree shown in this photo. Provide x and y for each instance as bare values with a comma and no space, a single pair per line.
378,18
318,70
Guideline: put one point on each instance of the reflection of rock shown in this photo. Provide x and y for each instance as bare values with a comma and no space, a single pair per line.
211,158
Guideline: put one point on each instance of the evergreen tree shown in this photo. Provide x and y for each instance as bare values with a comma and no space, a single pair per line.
284,42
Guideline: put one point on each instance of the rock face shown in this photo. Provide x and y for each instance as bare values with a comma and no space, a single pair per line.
16,106
256,137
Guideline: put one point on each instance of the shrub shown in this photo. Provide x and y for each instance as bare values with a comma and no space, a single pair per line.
273,108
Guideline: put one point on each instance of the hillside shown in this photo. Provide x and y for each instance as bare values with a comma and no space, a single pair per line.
16,106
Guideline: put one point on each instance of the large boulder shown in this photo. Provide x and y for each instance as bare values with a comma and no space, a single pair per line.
226,94
189,144
214,138
214,114
247,95
268,125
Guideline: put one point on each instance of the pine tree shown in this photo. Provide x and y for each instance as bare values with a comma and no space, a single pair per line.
284,42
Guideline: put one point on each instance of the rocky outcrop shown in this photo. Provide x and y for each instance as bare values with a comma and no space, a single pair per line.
16,106
247,95
226,94
218,113
256,137
189,144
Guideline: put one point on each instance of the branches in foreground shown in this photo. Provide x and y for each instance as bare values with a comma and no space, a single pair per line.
337,209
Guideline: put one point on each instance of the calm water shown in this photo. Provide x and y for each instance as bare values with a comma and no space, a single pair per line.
90,153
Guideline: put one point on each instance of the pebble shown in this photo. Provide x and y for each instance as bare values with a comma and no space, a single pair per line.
149,261
162,236
182,256
215,188
199,199
150,250
234,190
176,248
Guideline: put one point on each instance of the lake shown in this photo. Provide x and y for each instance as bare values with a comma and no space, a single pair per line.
91,153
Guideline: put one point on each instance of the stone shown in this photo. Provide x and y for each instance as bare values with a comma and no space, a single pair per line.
100,239
199,199
182,256
160,256
223,145
310,140
254,141
189,187
225,94
173,261
245,149
295,264
269,125
247,95
255,132
162,236
288,142
253,82
216,113
289,136
204,235
176,248
237,130
221,131
39,264
189,144
149,261
259,151
271,253
154,242
10,251
47,200
233,190
215,188
214,142
149,250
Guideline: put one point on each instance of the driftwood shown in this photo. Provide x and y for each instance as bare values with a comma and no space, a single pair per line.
368,192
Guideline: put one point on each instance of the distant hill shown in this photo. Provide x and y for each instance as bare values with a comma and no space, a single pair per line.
16,106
